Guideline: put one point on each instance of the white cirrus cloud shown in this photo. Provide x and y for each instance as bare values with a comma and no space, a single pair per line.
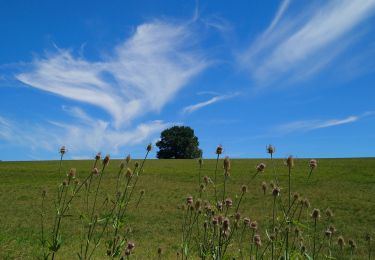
142,75
192,108
295,47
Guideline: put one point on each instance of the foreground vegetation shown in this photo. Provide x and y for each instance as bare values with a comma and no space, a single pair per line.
346,186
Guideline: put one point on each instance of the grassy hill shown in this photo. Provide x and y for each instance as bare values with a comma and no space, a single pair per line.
346,186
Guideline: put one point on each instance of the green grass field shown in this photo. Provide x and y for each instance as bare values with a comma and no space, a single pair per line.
347,186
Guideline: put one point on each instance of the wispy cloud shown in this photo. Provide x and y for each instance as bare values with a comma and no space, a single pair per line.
195,107
308,125
142,75
296,47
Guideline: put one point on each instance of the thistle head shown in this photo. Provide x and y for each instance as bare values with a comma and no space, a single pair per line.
276,191
149,147
226,224
313,164
328,233
72,173
128,158
160,251
226,164
352,244
128,173
254,225
296,196
257,240
237,216
98,156
368,237
62,150
228,202
215,221
341,241
142,192
246,221
260,167
244,188
329,213
95,171
270,149
44,193
290,161
206,180
106,160
189,200
219,149
315,214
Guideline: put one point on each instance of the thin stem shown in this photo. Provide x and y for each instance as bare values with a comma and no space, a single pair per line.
217,162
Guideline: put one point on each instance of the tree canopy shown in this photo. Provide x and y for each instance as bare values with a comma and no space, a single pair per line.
178,142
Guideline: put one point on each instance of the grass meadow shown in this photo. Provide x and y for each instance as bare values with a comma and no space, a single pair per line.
346,186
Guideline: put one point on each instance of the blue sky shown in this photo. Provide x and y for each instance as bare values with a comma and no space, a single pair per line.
109,76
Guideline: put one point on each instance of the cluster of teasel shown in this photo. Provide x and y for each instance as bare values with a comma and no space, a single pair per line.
214,228
101,219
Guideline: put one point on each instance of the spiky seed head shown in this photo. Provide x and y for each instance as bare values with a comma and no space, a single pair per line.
270,149
226,224
44,193
254,225
341,241
189,200
62,150
142,192
72,173
106,160
65,183
329,213
352,244
76,181
219,205
206,180
276,191
332,229
237,216
136,165
149,147
201,186
95,171
98,156
246,221
290,161
160,251
368,237
296,196
215,221
228,202
128,158
313,163
131,245
257,240
260,167
128,173
315,214
244,188
328,233
219,149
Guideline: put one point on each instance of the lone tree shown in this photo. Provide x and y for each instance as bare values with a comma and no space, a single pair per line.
178,142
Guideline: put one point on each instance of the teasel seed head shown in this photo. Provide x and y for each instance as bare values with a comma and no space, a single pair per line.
106,160
257,241
226,224
315,214
341,241
128,158
328,233
228,202
219,206
276,191
65,183
260,167
128,173
136,165
254,225
290,161
296,196
246,222
352,243
313,164
264,187
270,149
62,150
76,181
215,221
98,156
244,188
189,200
226,164
149,147
142,192
219,149
72,173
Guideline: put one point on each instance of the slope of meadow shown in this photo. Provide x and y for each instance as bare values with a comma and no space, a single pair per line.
347,186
